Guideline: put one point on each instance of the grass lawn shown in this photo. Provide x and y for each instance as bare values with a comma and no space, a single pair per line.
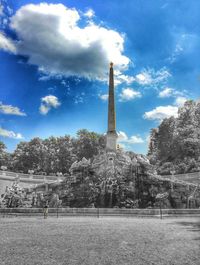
92,241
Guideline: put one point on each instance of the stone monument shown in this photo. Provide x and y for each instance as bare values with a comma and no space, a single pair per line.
111,136
116,178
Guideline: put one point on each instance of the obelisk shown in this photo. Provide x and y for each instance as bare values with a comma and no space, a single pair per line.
111,136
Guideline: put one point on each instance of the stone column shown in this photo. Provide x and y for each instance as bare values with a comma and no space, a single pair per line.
111,137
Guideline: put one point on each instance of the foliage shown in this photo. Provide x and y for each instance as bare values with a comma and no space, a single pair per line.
88,144
52,155
4,156
175,144
14,196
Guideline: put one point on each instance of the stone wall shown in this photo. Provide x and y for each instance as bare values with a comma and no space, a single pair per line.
4,183
188,177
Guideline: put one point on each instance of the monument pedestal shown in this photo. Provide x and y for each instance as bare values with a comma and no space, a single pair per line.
111,141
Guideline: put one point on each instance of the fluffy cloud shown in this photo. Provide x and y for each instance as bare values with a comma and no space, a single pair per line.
104,97
90,13
179,101
165,93
48,103
8,109
129,94
7,44
122,136
161,112
51,37
171,92
144,78
180,96
152,77
134,139
121,78
10,134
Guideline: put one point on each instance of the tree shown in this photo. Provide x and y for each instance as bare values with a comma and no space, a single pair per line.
4,156
176,141
59,154
55,154
88,144
29,155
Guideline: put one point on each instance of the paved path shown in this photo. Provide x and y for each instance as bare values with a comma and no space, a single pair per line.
105,241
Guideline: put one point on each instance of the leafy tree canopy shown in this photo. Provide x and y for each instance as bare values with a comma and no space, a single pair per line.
52,155
175,144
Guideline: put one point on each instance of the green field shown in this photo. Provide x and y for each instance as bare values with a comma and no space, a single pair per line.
93,241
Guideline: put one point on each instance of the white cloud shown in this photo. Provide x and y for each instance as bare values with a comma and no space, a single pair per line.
8,109
165,93
7,44
134,139
161,112
180,96
129,94
51,37
152,77
179,101
10,134
44,109
122,78
90,13
48,102
45,77
51,100
122,136
144,78
104,97
171,92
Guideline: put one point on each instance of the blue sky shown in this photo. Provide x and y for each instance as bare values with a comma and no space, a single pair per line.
54,59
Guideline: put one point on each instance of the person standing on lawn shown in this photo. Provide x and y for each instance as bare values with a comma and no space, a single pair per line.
46,210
